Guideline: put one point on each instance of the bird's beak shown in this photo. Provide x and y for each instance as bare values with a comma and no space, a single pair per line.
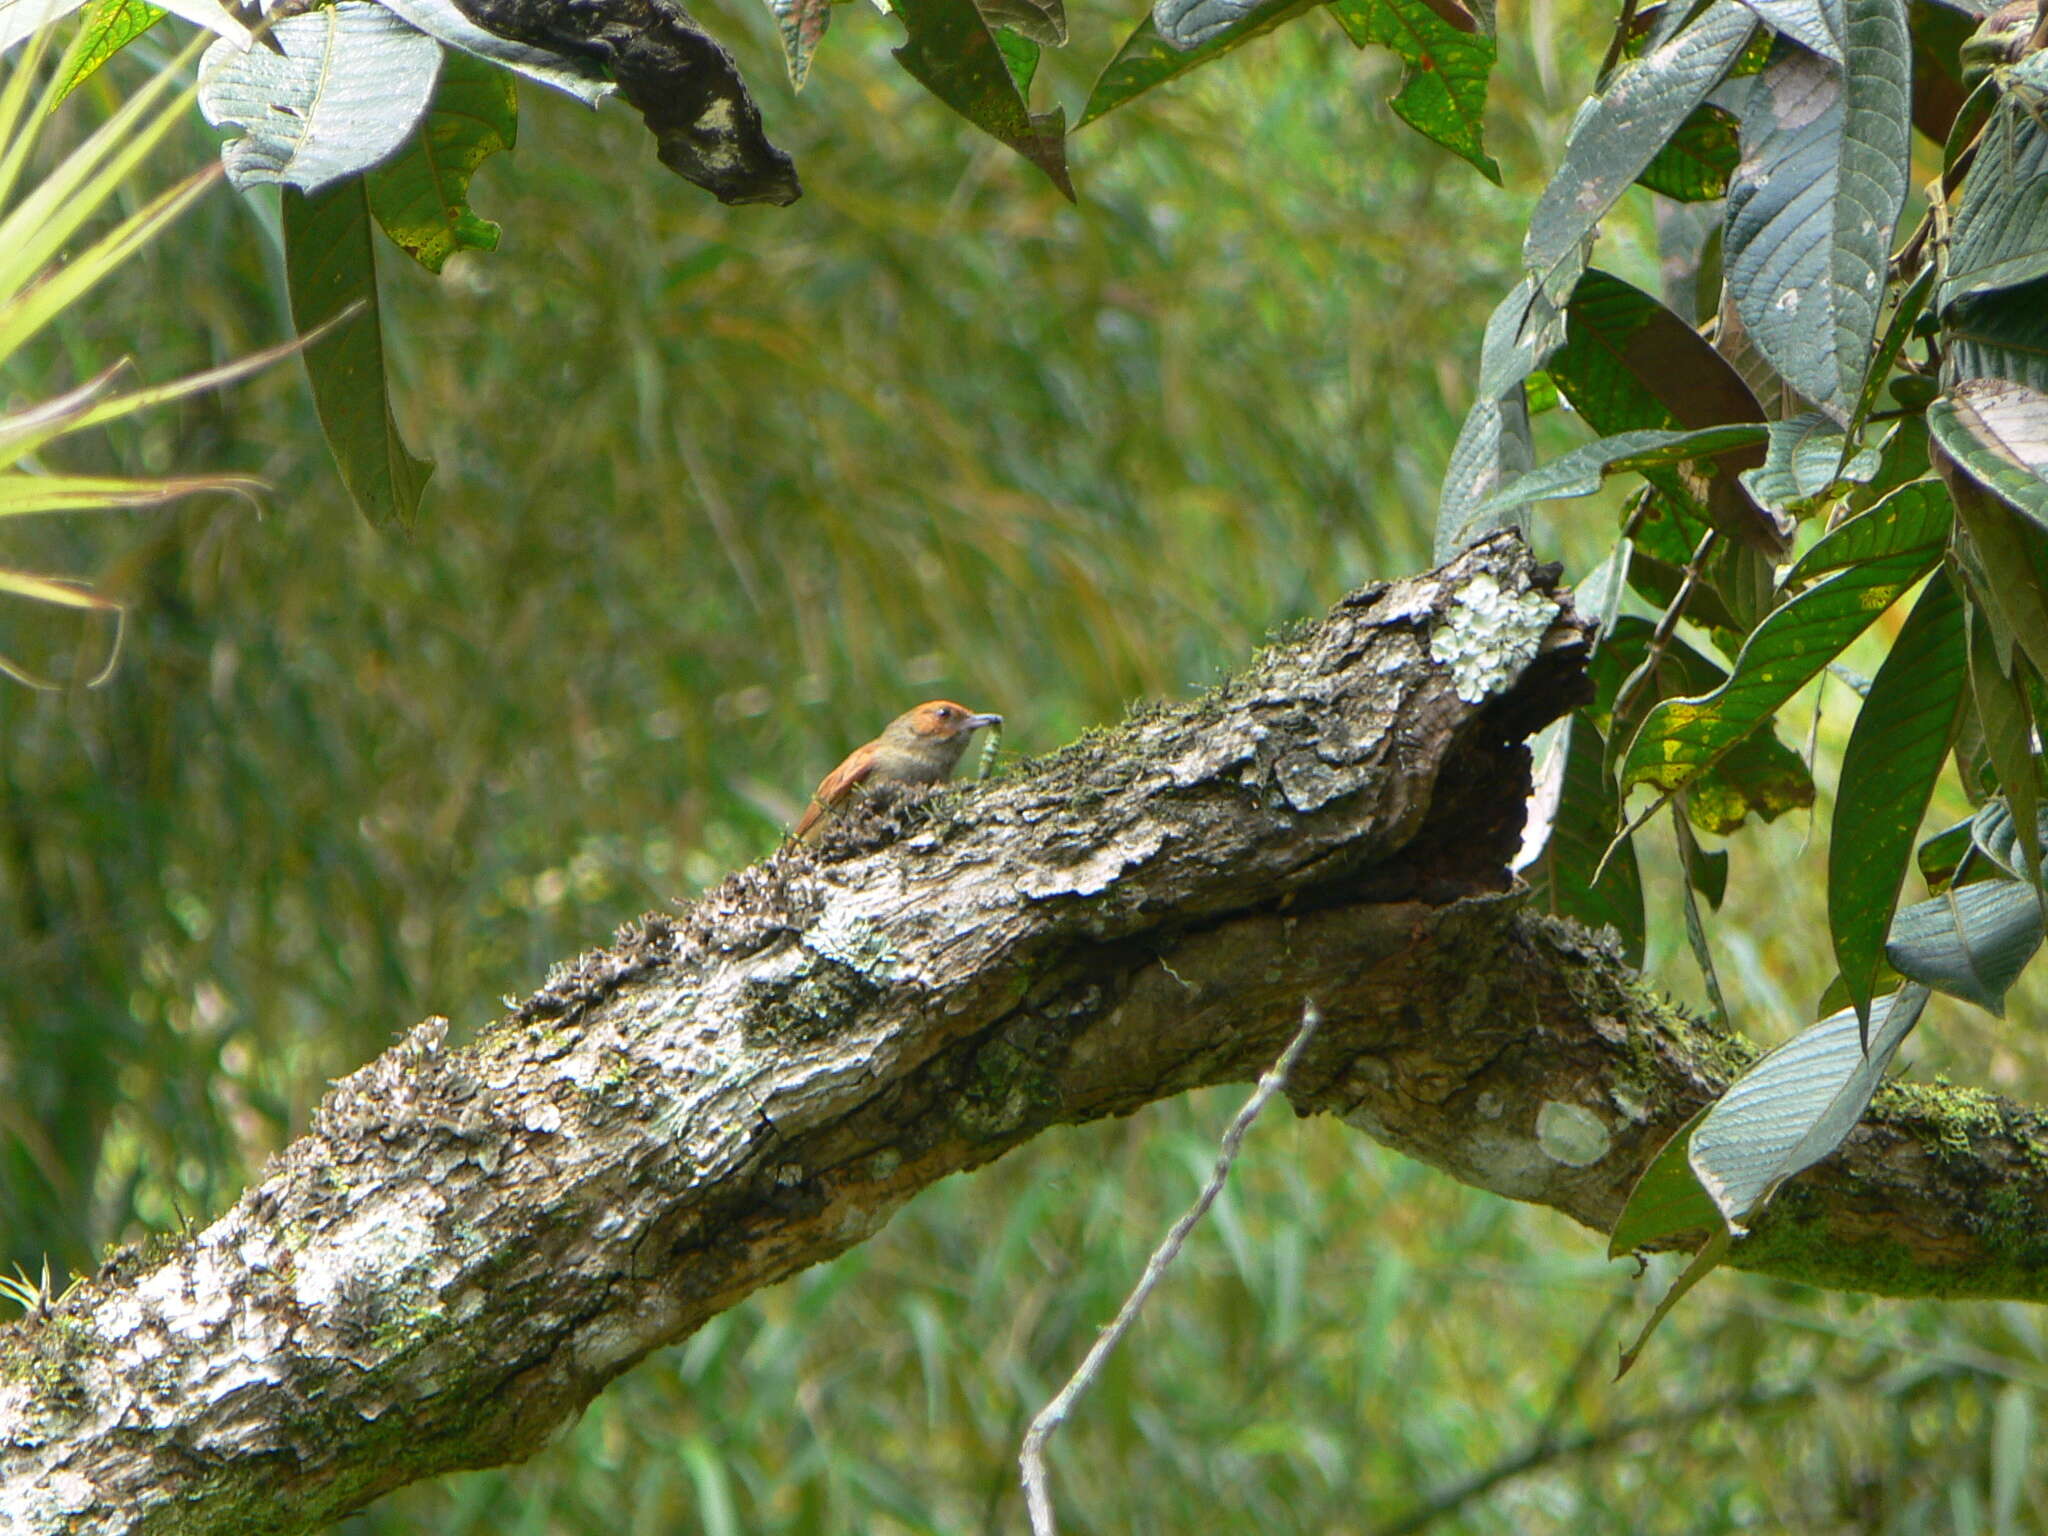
976,722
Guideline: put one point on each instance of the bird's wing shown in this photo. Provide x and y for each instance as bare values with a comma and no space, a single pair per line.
838,784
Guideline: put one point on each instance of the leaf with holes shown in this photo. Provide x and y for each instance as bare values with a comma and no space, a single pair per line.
1445,67
422,198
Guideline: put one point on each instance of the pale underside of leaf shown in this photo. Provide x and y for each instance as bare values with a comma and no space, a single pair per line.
350,86
584,79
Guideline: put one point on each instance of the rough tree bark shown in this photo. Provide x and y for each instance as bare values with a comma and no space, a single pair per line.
469,1243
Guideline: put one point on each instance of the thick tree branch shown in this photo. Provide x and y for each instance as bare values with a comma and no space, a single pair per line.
468,1244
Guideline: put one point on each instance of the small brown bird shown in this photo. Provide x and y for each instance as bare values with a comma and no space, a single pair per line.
920,746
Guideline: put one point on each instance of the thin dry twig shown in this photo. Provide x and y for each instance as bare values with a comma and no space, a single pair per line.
1037,1489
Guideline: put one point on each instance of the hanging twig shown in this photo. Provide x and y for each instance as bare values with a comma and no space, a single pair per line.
1037,1490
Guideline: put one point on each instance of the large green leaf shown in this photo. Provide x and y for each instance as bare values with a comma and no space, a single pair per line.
1493,447
1816,25
1901,738
1629,363
330,266
1896,543
422,198
1826,157
2006,559
952,53
1667,1199
1972,941
1444,71
1147,59
2000,235
1618,133
1998,433
1584,823
1795,1106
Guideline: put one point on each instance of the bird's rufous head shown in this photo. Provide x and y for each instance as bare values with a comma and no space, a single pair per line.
939,720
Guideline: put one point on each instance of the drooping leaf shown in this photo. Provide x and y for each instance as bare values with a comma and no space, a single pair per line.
1587,816
1695,163
1758,776
1995,833
1900,740
1493,447
581,77
2000,235
421,198
1147,59
1826,154
1444,72
1897,542
1618,134
1941,855
1795,1106
1803,463
1580,472
1628,363
107,27
1999,335
951,53
330,265
1971,941
346,90
2007,722
801,25
1998,433
1704,1263
2006,559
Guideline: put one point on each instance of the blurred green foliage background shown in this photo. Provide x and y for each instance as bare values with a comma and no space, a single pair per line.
718,493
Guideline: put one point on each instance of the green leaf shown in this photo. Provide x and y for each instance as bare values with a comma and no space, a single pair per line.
1941,855
1147,59
1901,738
2000,235
1900,540
1797,1105
1580,472
1804,462
1704,1263
422,198
329,266
1445,69
1971,941
1667,1199
1618,134
1759,775
1905,315
1994,833
1998,433
1021,55
106,28
1043,22
952,53
1493,446
1629,363
1695,163
2008,727
1999,335
1561,880
1826,155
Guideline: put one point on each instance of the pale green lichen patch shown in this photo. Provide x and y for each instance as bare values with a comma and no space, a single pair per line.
1571,1134
1490,635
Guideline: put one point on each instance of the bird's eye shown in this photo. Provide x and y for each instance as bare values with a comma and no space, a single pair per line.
945,714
